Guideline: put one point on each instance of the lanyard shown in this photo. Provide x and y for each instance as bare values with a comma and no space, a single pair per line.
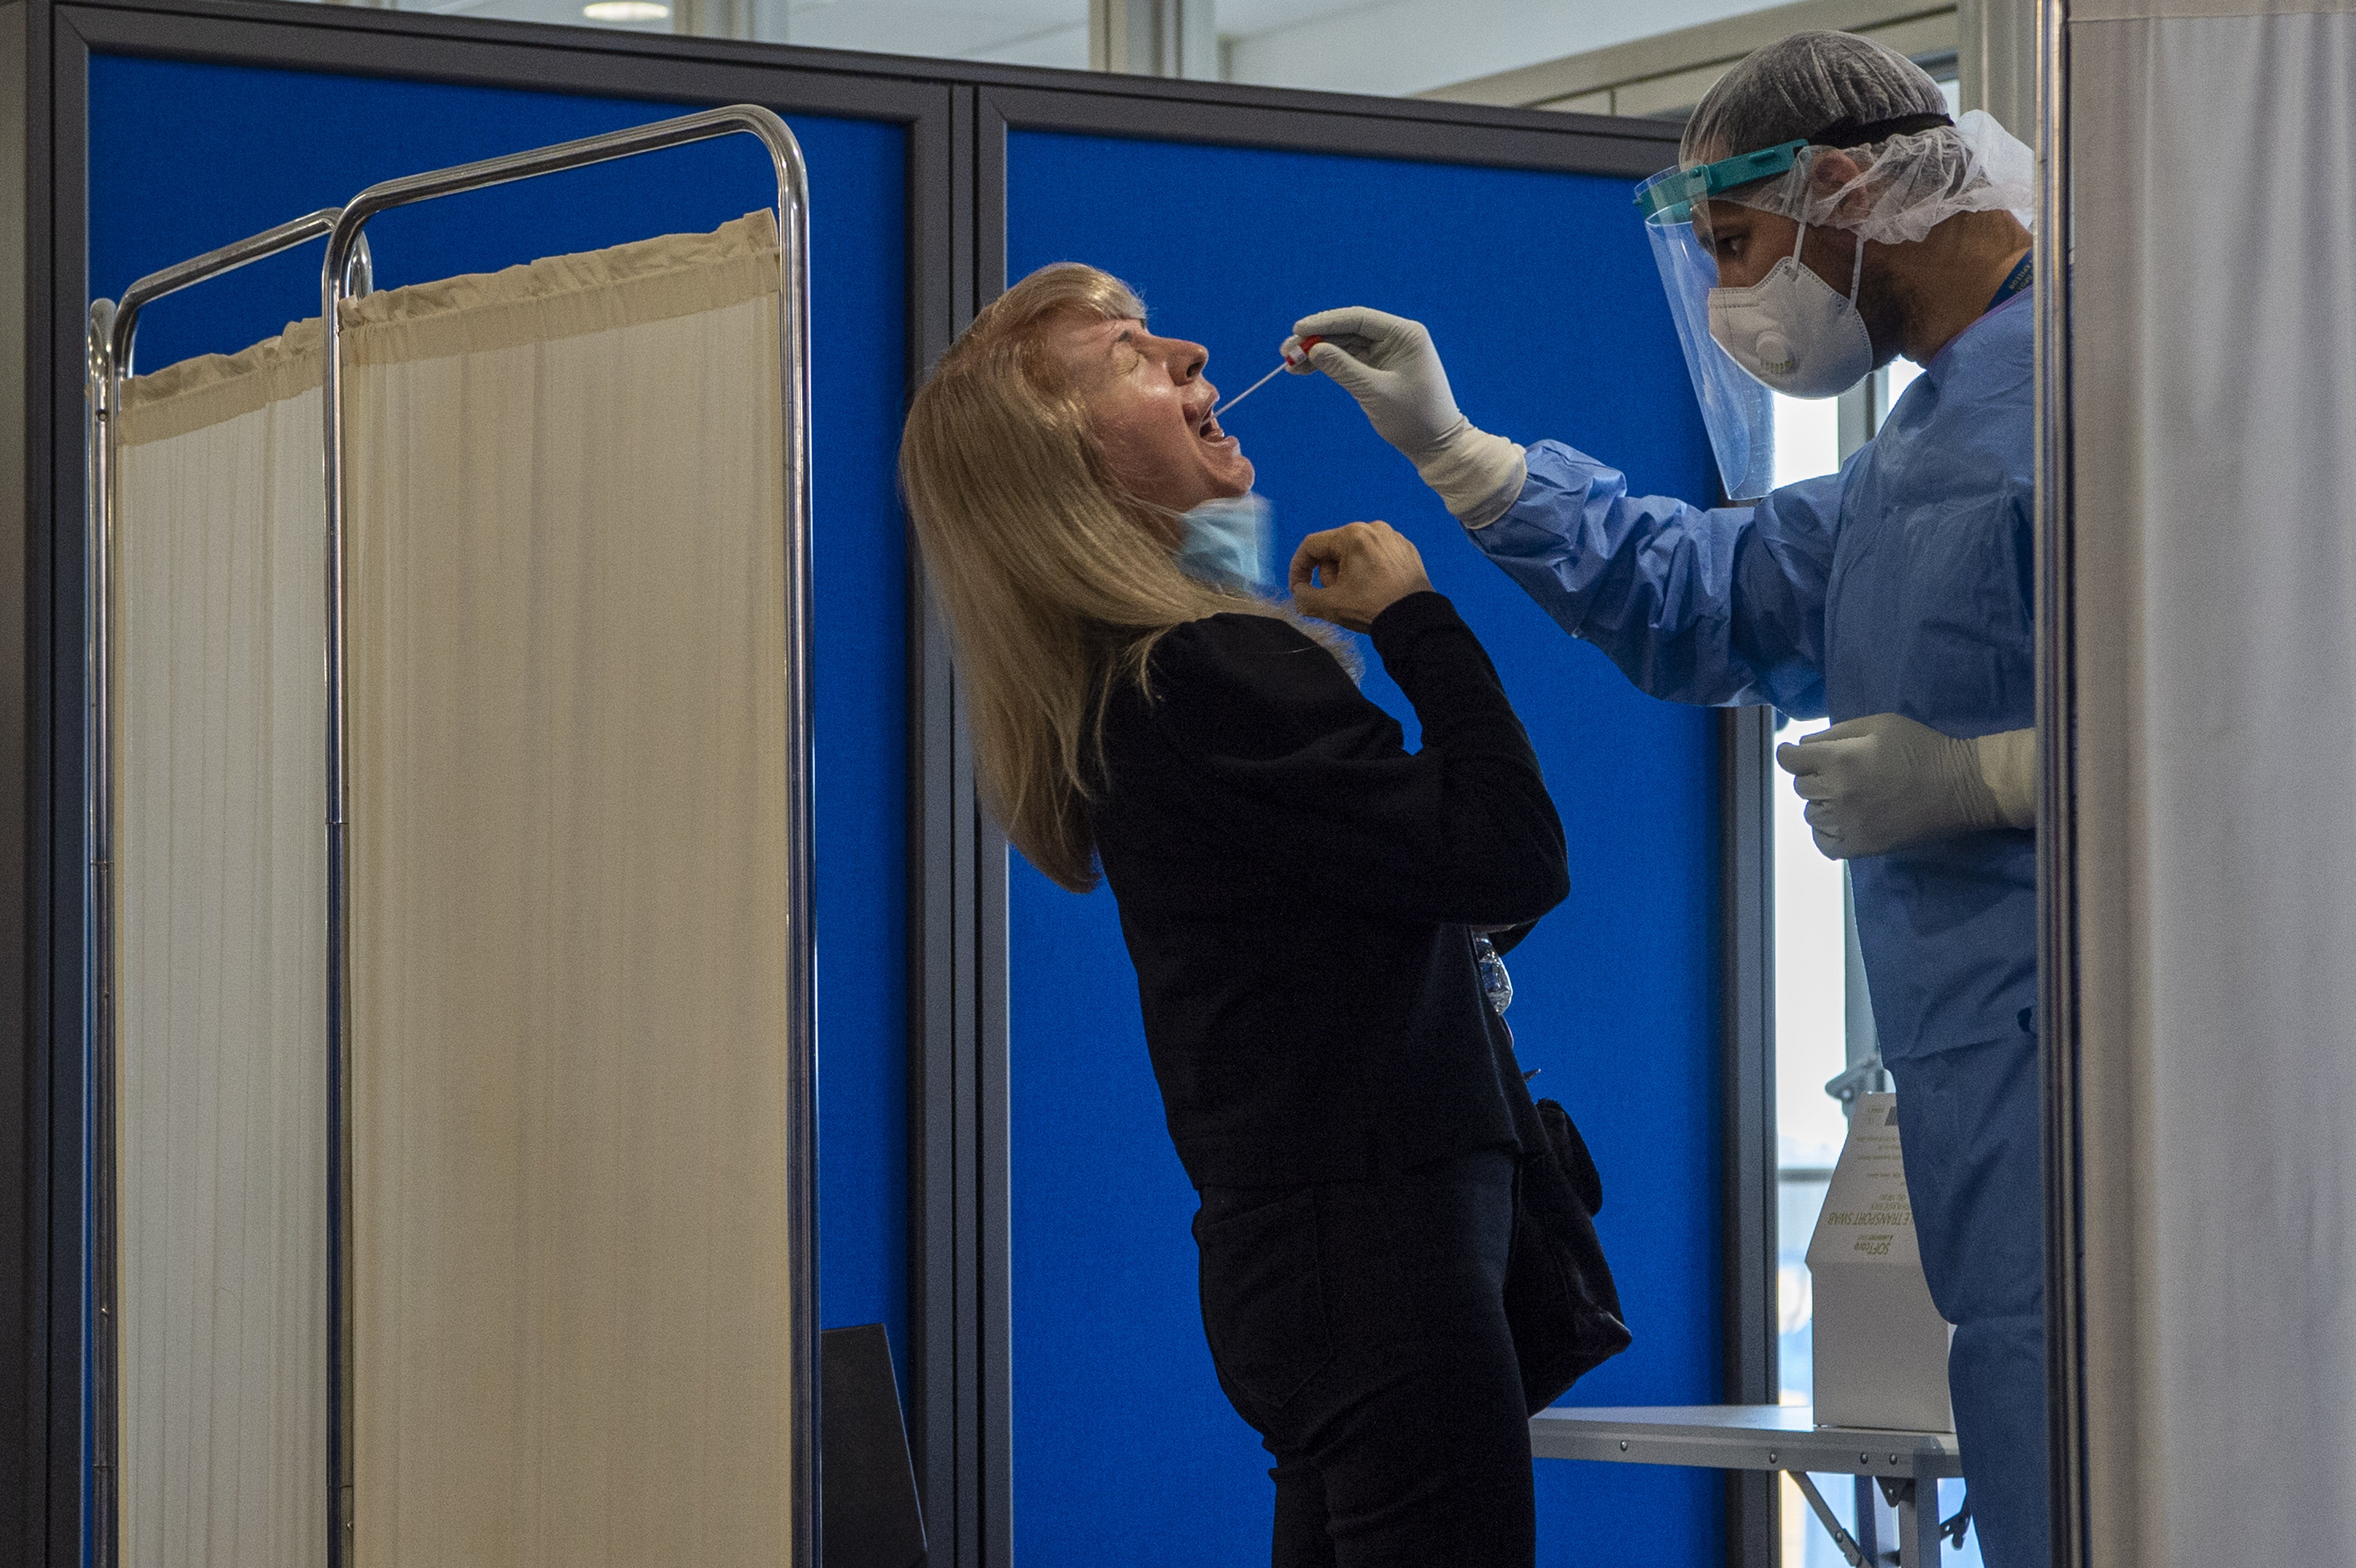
2015,281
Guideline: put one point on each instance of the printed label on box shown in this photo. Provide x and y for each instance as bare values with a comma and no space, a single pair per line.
1880,1344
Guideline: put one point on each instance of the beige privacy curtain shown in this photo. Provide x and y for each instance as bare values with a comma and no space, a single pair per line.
568,704
2213,345
220,878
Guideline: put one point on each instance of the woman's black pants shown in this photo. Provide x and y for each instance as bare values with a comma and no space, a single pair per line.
1360,1327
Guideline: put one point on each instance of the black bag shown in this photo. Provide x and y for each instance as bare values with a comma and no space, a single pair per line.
1561,1302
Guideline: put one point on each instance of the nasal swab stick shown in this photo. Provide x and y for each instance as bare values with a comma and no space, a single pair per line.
1281,367
1286,363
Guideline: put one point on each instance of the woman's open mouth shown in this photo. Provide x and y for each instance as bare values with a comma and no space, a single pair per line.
1209,430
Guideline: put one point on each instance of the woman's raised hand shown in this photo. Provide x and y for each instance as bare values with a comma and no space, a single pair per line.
1366,568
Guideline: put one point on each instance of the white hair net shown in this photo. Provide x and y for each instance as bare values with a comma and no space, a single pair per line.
1882,114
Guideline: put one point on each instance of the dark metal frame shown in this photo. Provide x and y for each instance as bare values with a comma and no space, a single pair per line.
2057,814
37,1389
956,115
1748,1241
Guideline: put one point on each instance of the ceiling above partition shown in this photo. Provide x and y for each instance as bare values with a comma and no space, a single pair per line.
1627,57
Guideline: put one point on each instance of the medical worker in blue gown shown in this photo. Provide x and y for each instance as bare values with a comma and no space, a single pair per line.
1826,216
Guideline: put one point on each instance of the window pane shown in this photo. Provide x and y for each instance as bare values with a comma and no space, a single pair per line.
1808,438
1008,32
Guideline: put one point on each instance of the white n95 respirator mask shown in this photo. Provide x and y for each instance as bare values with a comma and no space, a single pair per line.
1793,331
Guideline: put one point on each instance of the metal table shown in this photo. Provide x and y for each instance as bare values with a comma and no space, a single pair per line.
1783,1437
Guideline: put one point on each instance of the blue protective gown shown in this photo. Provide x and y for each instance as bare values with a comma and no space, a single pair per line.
1901,585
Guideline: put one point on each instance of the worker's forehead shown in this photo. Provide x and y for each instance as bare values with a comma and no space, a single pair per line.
1718,218
1721,213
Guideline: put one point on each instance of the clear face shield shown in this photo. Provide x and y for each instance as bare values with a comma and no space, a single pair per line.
1736,406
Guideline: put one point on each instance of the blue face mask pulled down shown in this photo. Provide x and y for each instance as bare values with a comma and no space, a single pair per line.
1226,543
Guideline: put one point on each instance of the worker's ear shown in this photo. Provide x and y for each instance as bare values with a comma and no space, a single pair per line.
1834,172
1829,168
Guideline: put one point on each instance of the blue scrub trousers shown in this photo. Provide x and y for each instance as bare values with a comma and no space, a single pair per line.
1967,1123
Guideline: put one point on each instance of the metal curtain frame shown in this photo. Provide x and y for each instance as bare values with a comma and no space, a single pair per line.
794,366
114,331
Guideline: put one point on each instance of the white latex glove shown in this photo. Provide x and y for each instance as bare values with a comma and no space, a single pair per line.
1388,364
1885,783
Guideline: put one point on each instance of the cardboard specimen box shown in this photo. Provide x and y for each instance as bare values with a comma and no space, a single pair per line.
1880,1346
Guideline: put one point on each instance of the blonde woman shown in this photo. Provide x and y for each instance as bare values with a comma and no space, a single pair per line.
1298,893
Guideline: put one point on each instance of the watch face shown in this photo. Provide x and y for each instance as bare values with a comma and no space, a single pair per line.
1496,984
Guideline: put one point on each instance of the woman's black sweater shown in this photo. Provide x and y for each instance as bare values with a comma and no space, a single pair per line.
1299,893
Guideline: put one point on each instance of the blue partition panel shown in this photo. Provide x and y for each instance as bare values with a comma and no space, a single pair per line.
184,157
1539,290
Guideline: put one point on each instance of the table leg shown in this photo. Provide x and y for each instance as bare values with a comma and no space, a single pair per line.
1855,1555
1915,1550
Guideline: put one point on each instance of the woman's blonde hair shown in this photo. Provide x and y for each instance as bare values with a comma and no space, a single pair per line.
1057,582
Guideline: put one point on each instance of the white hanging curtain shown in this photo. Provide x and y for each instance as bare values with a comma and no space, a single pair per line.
220,878
568,704
2212,355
